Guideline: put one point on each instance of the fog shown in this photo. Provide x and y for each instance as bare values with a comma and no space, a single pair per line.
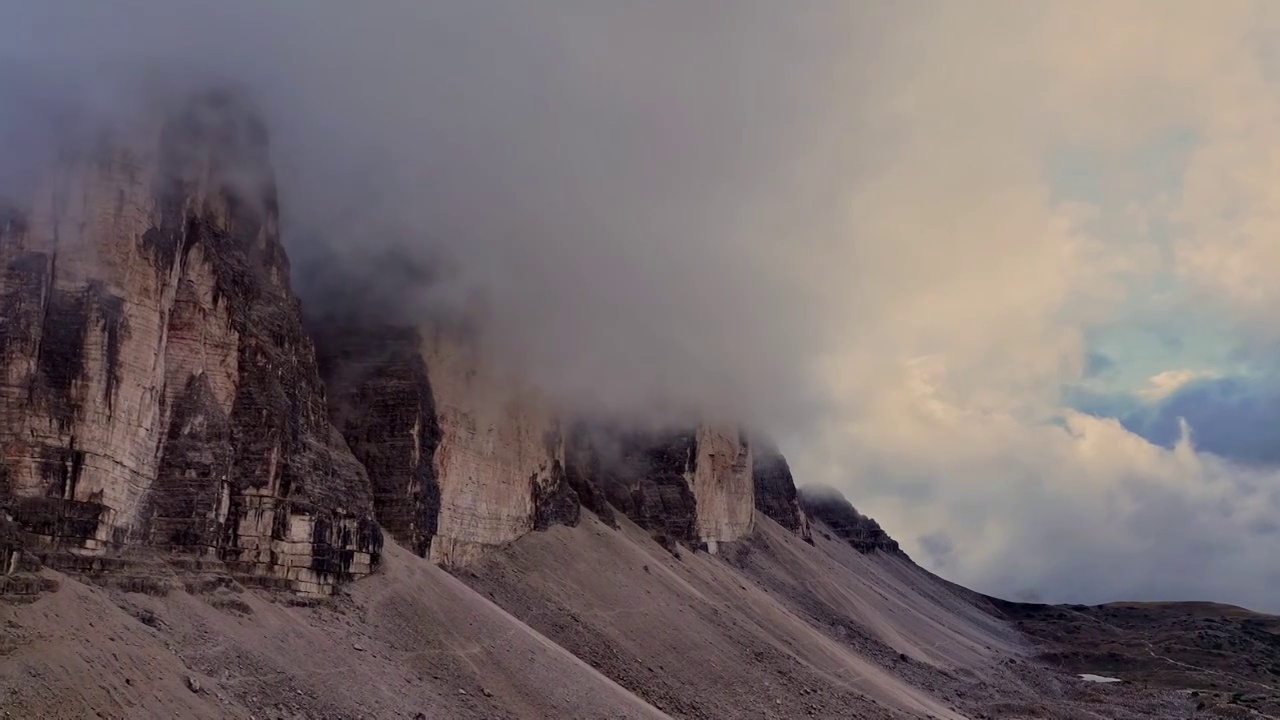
616,188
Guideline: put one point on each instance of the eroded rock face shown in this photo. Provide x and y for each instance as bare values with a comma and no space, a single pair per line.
380,399
828,506
775,489
459,458
159,390
156,387
688,486
643,475
723,485
500,460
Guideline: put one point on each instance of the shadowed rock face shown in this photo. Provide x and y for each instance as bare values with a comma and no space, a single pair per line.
643,475
775,489
159,390
380,399
156,386
826,505
688,486
459,461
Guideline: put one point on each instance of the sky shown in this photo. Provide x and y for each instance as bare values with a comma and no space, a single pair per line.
1002,272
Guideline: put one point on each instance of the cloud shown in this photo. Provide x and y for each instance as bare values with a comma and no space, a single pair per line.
989,282
1164,384
616,188
939,548
841,221
1097,363
1078,508
1234,417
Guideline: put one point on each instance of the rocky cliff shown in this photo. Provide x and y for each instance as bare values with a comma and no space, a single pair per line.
828,506
156,387
500,461
459,459
775,489
692,486
462,459
380,399
160,392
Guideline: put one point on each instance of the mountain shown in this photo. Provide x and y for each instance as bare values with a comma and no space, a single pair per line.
831,508
213,504
157,388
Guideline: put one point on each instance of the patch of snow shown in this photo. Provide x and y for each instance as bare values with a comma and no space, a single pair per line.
1090,677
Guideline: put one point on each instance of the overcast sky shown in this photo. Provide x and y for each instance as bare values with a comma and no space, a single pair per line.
1004,272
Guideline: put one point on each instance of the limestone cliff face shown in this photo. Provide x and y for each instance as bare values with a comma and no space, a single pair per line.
643,475
775,489
156,387
690,486
500,460
722,485
460,459
380,399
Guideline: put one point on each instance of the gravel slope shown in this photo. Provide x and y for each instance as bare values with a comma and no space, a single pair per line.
411,639
583,622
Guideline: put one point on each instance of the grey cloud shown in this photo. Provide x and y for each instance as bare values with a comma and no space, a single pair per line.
939,549
1265,526
612,185
1163,547
1097,363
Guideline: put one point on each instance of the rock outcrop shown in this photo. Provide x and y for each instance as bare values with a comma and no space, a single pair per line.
723,485
156,387
689,486
459,459
775,489
380,399
500,460
827,506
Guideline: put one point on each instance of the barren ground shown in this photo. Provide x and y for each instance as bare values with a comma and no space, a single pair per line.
1225,658
593,622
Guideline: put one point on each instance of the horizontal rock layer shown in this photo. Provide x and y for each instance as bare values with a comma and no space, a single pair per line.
156,388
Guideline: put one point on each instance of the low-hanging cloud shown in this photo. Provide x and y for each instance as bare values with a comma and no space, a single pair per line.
837,220
613,186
